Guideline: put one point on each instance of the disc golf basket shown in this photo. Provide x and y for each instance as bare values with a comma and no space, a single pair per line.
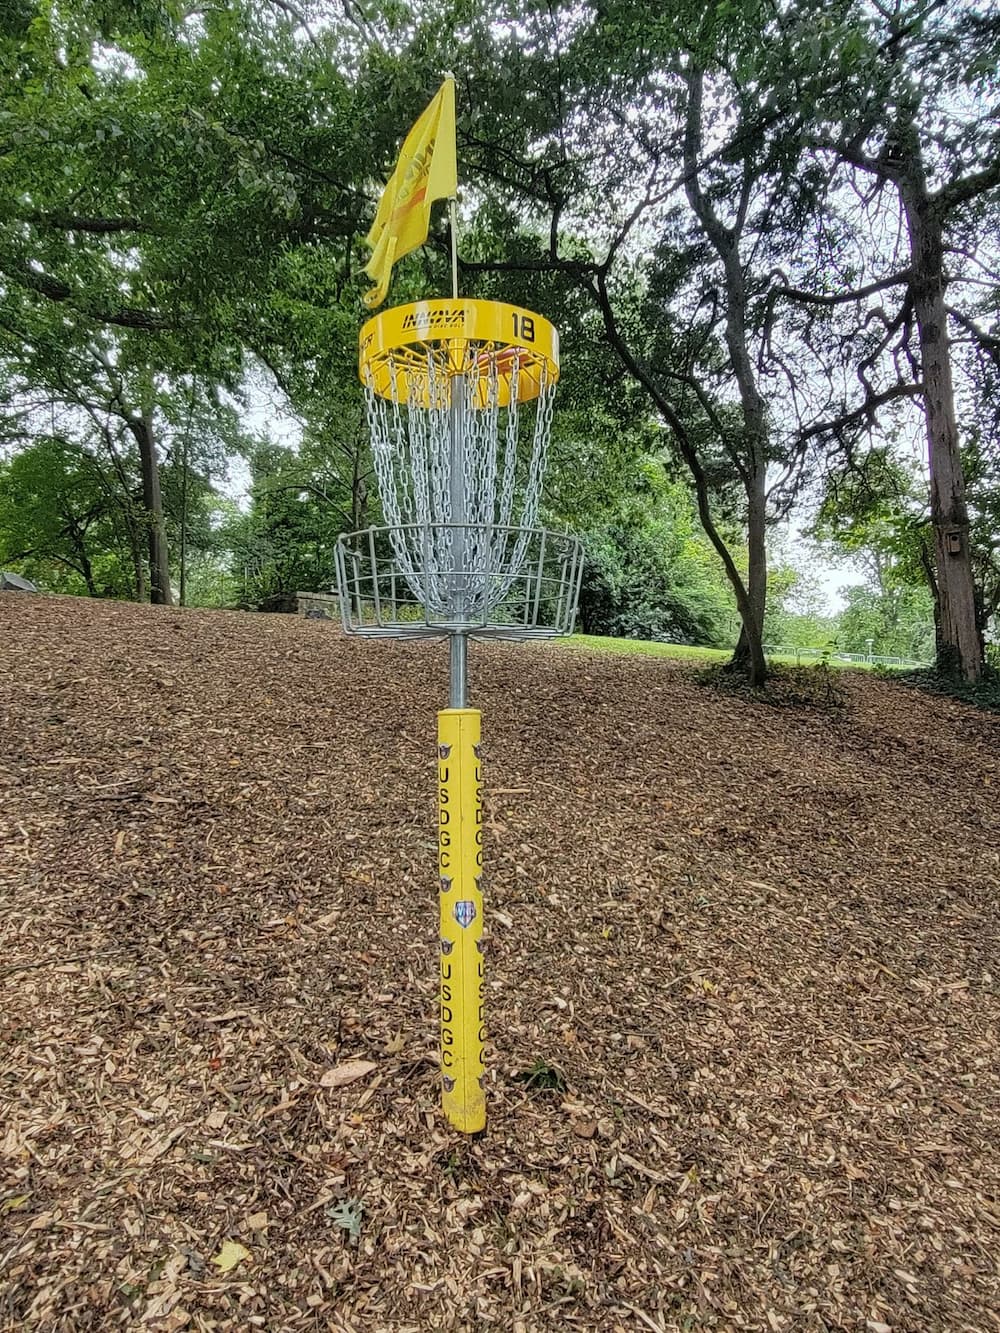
459,396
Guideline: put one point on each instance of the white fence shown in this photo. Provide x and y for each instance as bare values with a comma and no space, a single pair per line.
835,655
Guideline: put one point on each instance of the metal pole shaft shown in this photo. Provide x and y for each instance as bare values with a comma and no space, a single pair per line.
456,495
458,674
453,217
460,865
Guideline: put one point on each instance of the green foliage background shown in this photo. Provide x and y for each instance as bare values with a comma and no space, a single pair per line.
184,194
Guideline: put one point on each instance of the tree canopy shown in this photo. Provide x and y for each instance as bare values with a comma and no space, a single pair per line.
768,234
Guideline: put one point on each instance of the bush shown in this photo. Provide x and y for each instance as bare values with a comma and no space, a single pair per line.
642,583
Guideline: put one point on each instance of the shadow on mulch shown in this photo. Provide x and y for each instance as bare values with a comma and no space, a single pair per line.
815,688
984,695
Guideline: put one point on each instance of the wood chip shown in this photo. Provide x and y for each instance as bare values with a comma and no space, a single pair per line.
218,1008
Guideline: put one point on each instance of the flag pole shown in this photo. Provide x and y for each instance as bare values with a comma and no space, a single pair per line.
453,218
453,214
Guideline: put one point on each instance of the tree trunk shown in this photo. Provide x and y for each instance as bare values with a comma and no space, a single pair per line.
77,535
86,568
182,586
750,460
689,453
959,645
129,506
748,655
159,565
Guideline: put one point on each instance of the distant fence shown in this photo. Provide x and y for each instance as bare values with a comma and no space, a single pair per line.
834,655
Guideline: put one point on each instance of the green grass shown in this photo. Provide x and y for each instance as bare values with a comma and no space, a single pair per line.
644,648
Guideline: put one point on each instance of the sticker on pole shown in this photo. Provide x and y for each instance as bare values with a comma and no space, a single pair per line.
465,913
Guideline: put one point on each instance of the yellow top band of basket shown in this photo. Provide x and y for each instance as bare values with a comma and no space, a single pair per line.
465,337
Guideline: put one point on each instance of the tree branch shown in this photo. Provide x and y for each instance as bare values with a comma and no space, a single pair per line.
969,187
988,342
95,226
866,413
685,444
843,298
127,317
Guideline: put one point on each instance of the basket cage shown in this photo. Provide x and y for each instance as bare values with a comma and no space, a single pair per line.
529,589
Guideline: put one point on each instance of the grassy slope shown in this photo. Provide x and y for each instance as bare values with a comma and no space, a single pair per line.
646,648
684,652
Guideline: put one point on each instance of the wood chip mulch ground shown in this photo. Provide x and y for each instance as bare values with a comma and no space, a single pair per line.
742,985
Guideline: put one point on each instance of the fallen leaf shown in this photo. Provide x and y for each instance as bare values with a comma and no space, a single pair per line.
348,1072
347,1215
231,1254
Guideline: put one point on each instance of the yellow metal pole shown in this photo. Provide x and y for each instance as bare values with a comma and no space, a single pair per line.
460,863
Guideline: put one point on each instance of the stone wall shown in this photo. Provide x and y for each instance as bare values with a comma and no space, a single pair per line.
319,605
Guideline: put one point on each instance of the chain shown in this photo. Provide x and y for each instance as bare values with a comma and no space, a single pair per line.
411,431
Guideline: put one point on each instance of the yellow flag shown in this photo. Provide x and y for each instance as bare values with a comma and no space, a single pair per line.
426,171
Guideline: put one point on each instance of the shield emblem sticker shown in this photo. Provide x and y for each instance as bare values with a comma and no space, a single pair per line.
465,913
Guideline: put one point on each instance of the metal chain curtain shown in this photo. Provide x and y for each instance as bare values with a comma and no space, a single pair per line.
465,572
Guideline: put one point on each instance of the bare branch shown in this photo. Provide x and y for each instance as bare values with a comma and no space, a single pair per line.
299,18
865,414
843,298
987,342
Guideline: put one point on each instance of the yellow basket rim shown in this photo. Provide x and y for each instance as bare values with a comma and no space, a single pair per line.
462,335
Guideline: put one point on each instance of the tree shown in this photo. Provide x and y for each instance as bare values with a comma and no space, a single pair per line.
59,520
171,179
648,574
92,377
797,608
875,511
286,542
155,155
185,191
919,120
199,432
617,101
897,621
